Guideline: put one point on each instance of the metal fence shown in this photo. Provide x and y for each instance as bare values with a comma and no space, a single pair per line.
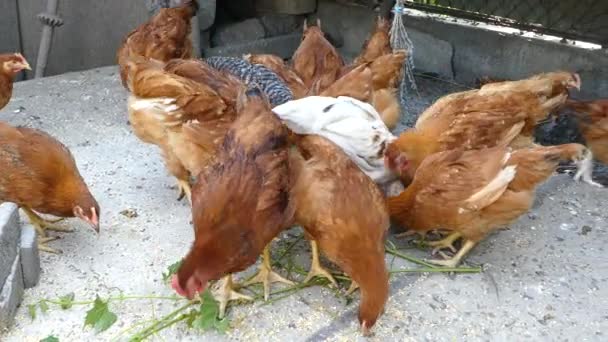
585,20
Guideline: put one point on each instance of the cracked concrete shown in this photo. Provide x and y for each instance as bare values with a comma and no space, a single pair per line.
545,278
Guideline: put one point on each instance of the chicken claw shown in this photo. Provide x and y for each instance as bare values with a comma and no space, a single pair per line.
407,234
447,242
184,190
43,247
43,225
455,260
266,275
352,288
224,292
315,267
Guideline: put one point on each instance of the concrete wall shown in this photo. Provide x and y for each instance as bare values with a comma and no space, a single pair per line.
9,27
90,35
464,53
9,39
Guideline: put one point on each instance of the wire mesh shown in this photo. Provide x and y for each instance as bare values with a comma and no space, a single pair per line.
585,20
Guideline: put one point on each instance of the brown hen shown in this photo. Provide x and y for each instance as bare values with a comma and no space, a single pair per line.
380,91
240,203
498,113
40,174
472,193
593,124
184,107
378,44
165,36
316,60
10,65
343,211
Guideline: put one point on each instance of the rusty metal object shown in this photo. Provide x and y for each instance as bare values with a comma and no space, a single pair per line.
50,19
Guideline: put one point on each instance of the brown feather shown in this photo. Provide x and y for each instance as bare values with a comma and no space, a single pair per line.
241,202
344,211
38,172
316,59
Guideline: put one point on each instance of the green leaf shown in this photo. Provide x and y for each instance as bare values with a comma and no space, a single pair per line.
44,307
31,309
67,301
207,315
222,325
208,312
50,338
172,269
100,317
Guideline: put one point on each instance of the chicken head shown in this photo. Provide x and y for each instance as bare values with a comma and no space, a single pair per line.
89,215
15,63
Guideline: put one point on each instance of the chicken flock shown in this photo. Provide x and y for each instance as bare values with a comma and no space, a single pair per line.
258,145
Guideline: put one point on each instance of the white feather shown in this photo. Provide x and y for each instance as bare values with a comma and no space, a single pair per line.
585,169
349,123
163,109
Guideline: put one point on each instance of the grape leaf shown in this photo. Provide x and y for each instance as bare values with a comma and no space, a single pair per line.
172,269
100,317
222,325
207,315
50,338
66,301
32,311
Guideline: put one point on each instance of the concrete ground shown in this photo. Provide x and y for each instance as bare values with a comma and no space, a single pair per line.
545,278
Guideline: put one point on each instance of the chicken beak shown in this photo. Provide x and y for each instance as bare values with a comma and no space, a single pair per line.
26,66
94,221
95,226
365,331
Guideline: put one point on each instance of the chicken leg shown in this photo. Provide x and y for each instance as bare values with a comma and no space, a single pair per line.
224,292
447,242
315,267
455,260
184,190
352,288
266,275
42,226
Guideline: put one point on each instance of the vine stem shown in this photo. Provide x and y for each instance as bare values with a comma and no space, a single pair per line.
438,270
154,327
409,258
111,299
159,327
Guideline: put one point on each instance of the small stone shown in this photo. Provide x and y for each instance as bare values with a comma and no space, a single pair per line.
130,213
585,230
567,227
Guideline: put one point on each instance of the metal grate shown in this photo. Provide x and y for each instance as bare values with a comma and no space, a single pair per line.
585,20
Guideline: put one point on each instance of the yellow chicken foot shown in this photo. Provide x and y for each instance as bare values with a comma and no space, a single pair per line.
184,190
315,267
352,288
266,275
43,247
407,234
455,260
224,292
447,242
43,225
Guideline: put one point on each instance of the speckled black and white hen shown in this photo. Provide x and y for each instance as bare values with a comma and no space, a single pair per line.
254,75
